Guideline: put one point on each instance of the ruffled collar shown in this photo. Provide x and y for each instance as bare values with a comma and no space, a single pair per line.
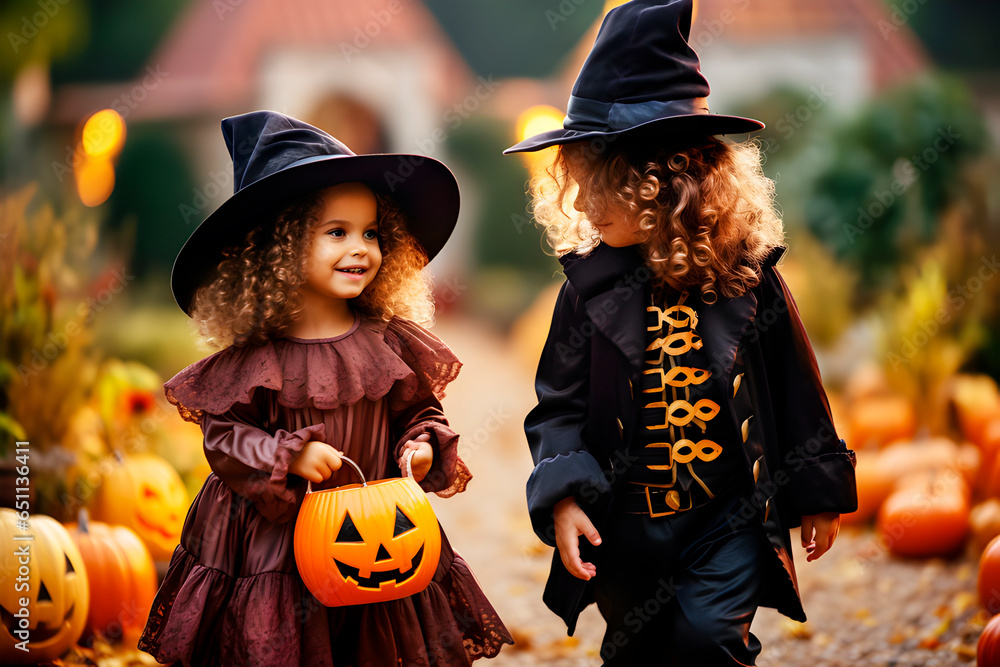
369,361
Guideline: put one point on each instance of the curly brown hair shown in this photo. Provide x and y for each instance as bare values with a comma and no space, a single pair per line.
254,296
706,212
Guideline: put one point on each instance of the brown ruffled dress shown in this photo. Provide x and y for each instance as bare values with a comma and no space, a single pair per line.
232,594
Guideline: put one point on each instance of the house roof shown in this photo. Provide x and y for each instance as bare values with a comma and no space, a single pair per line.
211,59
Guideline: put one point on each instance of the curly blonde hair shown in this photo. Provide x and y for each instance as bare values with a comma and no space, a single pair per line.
254,296
705,212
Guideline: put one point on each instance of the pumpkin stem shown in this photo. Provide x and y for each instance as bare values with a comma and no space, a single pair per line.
83,520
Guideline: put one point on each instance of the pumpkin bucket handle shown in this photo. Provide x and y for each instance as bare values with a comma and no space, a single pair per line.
364,482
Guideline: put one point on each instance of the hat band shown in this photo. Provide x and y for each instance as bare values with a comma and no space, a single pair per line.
591,115
314,158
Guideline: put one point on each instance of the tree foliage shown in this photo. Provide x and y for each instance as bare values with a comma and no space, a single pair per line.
895,168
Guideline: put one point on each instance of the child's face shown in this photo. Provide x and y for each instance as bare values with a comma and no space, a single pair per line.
345,254
617,226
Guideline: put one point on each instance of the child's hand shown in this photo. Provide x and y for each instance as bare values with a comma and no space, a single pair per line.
316,461
571,523
423,456
818,533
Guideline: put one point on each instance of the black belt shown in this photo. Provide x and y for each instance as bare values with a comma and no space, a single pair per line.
654,501
658,501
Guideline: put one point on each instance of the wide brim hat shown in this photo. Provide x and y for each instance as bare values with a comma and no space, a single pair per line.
277,159
642,79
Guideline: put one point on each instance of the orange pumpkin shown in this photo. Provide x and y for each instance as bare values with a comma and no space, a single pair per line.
925,456
143,492
989,477
120,567
48,575
366,543
984,519
988,648
929,519
976,402
989,577
875,483
879,420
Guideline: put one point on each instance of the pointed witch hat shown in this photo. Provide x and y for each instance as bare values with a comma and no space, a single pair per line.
277,158
642,78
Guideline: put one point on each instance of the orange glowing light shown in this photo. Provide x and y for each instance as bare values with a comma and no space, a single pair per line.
538,119
103,134
101,141
535,120
95,179
611,4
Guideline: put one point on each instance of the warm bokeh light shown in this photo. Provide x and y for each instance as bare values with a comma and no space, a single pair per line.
95,179
611,4
103,134
535,120
538,119
32,94
101,141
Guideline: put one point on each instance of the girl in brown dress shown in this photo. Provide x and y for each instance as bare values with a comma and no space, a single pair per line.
310,277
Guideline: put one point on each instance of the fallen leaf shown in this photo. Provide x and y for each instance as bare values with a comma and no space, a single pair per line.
795,630
962,601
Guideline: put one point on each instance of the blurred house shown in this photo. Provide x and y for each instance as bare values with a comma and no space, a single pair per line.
380,72
381,75
847,48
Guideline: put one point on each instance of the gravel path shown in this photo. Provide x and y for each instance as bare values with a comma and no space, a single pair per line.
865,607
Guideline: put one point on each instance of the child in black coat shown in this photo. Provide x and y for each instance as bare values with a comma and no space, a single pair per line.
682,427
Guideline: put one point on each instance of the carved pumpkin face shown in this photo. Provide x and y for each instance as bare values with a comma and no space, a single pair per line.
361,544
53,580
145,493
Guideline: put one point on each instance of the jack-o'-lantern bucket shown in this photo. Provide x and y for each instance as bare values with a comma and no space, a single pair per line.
367,542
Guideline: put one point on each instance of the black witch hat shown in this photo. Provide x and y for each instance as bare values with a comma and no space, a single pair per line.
277,158
642,76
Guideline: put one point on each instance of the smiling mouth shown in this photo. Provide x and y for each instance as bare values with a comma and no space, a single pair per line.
159,530
357,271
377,578
42,632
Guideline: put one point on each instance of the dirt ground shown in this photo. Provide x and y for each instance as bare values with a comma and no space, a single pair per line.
865,607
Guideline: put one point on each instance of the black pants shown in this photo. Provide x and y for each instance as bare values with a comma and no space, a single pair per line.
680,590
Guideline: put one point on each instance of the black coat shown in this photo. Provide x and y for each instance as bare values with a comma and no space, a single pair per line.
586,416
